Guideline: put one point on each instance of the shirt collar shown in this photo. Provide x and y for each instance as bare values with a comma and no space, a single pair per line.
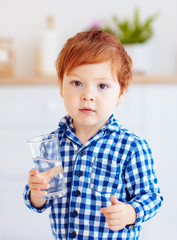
112,124
66,124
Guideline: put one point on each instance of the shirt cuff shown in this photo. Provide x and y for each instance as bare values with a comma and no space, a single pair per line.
139,215
26,196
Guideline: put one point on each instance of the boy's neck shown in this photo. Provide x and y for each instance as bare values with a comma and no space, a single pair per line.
85,133
84,136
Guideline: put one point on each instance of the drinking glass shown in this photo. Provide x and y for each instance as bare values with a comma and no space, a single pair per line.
45,152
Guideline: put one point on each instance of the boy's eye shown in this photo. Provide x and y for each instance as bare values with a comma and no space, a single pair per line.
76,83
102,86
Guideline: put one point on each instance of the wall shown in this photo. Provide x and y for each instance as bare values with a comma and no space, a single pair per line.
24,21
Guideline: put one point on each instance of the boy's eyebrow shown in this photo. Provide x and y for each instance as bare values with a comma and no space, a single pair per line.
103,78
78,76
73,75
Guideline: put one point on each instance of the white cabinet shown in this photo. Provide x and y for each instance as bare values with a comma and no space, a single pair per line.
25,111
161,132
154,108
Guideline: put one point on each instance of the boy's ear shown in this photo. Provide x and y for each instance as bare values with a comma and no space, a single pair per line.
61,88
121,98
61,92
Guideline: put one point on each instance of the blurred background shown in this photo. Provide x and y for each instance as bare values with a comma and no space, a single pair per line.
31,35
24,23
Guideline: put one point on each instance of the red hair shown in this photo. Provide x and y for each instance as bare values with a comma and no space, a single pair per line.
95,46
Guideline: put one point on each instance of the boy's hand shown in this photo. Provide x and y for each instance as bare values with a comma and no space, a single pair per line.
119,214
36,182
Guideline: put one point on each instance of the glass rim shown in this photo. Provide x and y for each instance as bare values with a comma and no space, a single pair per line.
41,138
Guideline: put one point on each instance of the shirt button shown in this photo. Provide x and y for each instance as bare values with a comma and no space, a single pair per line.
77,193
73,234
79,173
75,213
82,154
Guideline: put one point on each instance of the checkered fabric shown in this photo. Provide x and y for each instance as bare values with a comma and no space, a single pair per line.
113,162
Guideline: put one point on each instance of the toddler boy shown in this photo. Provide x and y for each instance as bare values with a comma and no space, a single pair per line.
109,171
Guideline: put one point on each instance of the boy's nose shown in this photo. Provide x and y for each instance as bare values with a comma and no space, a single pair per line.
87,97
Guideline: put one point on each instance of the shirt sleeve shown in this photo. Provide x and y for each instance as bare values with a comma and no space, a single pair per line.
141,183
26,196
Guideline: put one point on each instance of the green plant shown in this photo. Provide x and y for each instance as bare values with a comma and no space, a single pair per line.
131,31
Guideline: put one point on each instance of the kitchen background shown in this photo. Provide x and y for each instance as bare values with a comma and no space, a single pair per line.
30,103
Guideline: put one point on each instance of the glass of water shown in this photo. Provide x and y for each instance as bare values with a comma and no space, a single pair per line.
45,152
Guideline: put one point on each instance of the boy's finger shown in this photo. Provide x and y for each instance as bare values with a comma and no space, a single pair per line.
33,172
111,209
39,192
114,200
36,186
114,215
114,206
37,179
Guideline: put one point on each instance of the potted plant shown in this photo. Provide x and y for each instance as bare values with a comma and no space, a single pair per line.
133,34
132,31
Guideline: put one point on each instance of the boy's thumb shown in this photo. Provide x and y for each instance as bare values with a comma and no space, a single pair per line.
114,200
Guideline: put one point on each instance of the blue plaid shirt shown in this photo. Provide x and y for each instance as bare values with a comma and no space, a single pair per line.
113,162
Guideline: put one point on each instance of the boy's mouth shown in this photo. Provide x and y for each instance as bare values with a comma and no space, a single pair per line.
87,110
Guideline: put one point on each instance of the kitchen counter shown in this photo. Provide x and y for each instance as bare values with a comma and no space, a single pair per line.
43,80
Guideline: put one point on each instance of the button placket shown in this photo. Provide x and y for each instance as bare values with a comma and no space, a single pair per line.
76,192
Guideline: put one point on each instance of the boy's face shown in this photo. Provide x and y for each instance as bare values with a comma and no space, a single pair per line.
90,94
